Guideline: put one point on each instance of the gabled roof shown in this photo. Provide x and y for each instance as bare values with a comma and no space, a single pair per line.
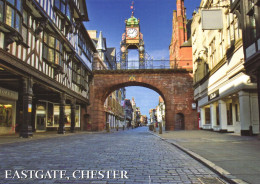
111,53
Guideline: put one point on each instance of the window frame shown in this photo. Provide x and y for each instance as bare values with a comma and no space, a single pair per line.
47,47
17,12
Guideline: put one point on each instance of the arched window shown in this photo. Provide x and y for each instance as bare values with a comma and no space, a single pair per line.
52,49
11,13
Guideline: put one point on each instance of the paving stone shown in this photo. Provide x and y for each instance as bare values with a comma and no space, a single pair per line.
143,156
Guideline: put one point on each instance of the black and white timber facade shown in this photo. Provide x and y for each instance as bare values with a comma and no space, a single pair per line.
46,59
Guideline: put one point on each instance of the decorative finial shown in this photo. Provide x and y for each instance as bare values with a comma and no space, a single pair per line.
132,8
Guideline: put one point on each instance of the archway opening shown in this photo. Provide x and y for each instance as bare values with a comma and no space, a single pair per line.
133,58
134,106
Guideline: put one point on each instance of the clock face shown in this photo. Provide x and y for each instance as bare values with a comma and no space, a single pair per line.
132,32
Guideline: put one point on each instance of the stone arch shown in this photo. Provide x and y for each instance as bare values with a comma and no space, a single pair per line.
129,84
175,87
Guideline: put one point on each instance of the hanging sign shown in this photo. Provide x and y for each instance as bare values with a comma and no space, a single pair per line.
212,19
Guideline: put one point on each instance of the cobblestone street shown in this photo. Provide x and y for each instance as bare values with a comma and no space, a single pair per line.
144,157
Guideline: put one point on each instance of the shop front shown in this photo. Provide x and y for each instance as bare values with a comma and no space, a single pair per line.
8,100
236,112
48,115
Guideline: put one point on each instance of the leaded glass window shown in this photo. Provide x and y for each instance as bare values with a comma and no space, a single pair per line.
1,11
11,13
52,50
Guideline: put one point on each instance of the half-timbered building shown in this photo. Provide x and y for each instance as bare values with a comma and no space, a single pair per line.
45,65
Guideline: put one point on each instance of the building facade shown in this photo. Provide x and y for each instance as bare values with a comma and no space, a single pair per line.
227,99
128,112
180,48
248,13
105,59
153,117
45,65
160,112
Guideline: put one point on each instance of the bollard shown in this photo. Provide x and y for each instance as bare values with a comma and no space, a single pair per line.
123,127
117,127
154,127
107,127
160,128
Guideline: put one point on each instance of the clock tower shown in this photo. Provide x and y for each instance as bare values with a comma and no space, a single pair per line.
132,38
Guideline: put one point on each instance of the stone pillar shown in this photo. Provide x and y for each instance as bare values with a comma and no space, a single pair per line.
258,92
245,118
73,116
223,115
213,115
34,103
202,117
141,58
26,128
61,129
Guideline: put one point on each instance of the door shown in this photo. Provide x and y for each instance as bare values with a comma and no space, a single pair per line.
41,116
179,122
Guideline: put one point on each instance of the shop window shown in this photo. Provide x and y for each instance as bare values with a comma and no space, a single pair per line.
52,50
11,13
50,115
237,112
41,116
67,117
6,114
217,112
207,115
229,114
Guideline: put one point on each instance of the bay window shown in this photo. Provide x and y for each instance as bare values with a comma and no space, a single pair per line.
52,49
83,47
61,4
74,72
63,7
11,13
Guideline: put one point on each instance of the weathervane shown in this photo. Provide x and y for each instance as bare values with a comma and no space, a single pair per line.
132,8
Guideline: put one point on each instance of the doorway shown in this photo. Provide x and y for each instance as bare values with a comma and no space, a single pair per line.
179,122
41,116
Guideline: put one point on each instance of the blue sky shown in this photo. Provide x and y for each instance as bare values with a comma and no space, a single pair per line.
155,17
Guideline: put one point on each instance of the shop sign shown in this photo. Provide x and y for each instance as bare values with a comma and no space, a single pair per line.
213,95
212,19
8,94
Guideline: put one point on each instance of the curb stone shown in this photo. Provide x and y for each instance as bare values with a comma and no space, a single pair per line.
220,171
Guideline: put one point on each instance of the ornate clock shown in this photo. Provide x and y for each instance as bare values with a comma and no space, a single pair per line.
132,32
